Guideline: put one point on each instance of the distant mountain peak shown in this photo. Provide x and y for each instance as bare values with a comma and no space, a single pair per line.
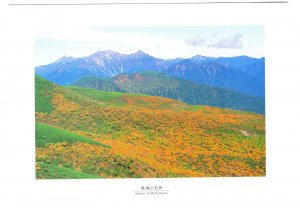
105,53
139,53
199,57
65,59
234,57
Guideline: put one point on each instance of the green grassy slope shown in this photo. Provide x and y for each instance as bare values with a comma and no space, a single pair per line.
108,99
119,99
43,95
50,134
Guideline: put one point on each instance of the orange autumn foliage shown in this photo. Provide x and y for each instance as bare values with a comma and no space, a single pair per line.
157,137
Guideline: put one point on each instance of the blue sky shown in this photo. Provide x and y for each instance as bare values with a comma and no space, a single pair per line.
162,42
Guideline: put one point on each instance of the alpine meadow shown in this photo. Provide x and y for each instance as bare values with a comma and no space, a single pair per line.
117,115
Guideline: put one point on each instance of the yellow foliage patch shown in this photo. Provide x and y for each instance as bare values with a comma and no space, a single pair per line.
63,105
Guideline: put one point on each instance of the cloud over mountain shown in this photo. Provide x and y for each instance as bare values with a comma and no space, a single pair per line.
231,42
197,40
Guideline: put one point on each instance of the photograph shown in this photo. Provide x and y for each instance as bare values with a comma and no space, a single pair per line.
150,102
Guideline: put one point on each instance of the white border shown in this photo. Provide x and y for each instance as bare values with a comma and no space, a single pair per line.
278,191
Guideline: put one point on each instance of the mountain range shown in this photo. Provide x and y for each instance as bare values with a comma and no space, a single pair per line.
244,79
242,74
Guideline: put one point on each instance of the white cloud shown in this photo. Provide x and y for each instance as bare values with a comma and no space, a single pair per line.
197,40
233,42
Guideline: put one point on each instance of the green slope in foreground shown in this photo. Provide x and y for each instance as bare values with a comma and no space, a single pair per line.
49,171
49,134
43,95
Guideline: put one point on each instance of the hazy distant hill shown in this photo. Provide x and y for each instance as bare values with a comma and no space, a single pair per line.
156,84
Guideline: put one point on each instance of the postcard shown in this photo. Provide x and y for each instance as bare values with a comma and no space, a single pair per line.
142,107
